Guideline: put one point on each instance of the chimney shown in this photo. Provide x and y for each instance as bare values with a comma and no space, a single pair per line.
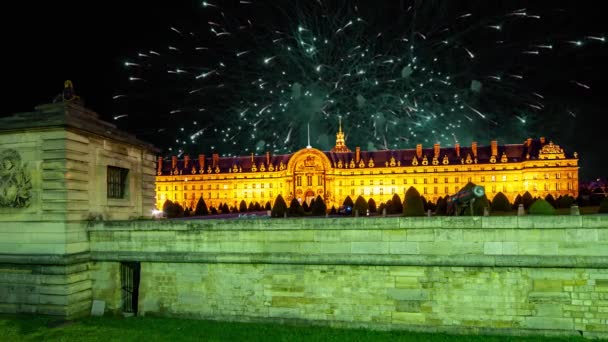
542,140
267,158
173,162
357,154
419,151
160,163
186,161
494,147
457,146
216,159
474,149
436,150
201,161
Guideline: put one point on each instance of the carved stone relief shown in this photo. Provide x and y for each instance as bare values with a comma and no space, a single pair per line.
15,181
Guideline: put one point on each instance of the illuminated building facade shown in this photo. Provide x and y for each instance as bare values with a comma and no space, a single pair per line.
536,165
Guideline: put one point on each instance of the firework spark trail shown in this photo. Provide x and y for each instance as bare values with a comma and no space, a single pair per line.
265,78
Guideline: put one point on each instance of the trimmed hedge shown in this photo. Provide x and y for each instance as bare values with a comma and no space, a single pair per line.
413,203
361,206
541,207
603,209
280,207
201,208
318,207
500,202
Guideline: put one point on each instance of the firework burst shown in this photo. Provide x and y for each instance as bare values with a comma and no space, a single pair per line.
250,76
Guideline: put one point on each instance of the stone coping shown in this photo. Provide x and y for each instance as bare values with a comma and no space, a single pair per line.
359,223
468,260
70,115
45,259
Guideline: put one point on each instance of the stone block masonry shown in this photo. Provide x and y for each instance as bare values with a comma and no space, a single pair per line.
54,180
507,275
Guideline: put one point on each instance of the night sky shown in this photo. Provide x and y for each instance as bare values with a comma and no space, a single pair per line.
45,44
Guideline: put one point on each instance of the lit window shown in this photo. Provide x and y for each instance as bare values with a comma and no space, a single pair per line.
371,182
434,180
299,180
361,183
483,178
435,190
425,192
392,181
446,180
352,182
381,191
393,191
504,178
309,180
493,178
425,181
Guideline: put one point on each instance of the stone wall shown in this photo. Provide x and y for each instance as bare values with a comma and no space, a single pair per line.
482,274
45,284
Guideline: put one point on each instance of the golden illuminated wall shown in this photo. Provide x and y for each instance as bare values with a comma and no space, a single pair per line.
310,173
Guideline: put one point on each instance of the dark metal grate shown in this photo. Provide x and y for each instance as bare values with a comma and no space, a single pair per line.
117,181
129,280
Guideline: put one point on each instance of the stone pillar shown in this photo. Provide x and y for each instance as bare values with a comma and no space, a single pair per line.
520,210
574,210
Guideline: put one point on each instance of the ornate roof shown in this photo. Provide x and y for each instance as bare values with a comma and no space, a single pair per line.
530,149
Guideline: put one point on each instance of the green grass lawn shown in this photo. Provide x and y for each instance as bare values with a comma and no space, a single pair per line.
106,329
